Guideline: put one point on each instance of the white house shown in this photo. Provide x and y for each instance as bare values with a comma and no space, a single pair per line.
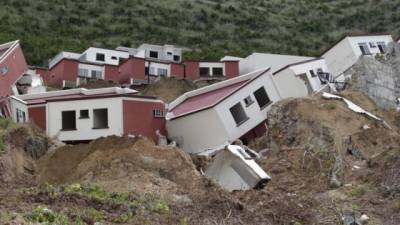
302,78
258,61
211,116
81,114
164,53
345,53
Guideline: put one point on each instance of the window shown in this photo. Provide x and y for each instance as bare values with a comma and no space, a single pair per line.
238,114
162,72
100,118
153,54
146,70
312,73
169,53
262,97
96,74
100,57
84,114
83,73
382,47
372,45
217,71
364,48
158,113
114,57
248,100
177,58
68,120
204,71
21,117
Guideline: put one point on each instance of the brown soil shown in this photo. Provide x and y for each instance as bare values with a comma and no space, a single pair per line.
304,140
168,89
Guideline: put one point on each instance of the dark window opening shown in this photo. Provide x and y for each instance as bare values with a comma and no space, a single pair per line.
372,45
68,119
146,70
114,57
312,73
364,49
100,57
248,100
100,118
169,53
177,58
217,71
153,54
262,97
382,47
238,114
204,71
84,114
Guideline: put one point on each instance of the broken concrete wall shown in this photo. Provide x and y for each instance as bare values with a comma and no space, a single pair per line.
379,77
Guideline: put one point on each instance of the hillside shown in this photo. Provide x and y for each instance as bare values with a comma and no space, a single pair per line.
210,27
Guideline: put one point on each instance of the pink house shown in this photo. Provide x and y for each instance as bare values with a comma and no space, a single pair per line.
12,66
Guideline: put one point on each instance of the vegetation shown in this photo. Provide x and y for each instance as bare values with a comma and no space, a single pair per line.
5,126
211,28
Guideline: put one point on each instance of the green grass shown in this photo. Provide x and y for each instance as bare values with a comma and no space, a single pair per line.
211,28
5,126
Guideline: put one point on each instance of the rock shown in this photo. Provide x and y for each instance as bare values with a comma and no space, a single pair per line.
363,219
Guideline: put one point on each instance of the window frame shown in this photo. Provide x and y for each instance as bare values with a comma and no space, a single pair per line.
204,68
258,100
177,58
84,116
107,126
217,74
153,52
100,57
72,128
246,118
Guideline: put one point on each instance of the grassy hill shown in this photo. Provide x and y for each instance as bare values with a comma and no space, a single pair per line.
211,28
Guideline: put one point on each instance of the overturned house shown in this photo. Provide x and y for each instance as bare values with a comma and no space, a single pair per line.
234,169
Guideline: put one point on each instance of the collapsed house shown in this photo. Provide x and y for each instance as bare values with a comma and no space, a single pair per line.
81,114
221,113
12,66
234,169
346,52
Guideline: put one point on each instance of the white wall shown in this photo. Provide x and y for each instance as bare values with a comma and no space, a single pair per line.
346,53
290,85
155,66
313,65
144,51
17,104
253,111
90,68
91,55
212,65
84,126
198,131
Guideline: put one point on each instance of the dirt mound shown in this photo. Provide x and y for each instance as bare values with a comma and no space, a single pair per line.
319,155
93,84
121,163
23,145
168,89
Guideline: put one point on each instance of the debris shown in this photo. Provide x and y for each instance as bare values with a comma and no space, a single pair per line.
366,127
364,219
234,169
355,107
349,220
